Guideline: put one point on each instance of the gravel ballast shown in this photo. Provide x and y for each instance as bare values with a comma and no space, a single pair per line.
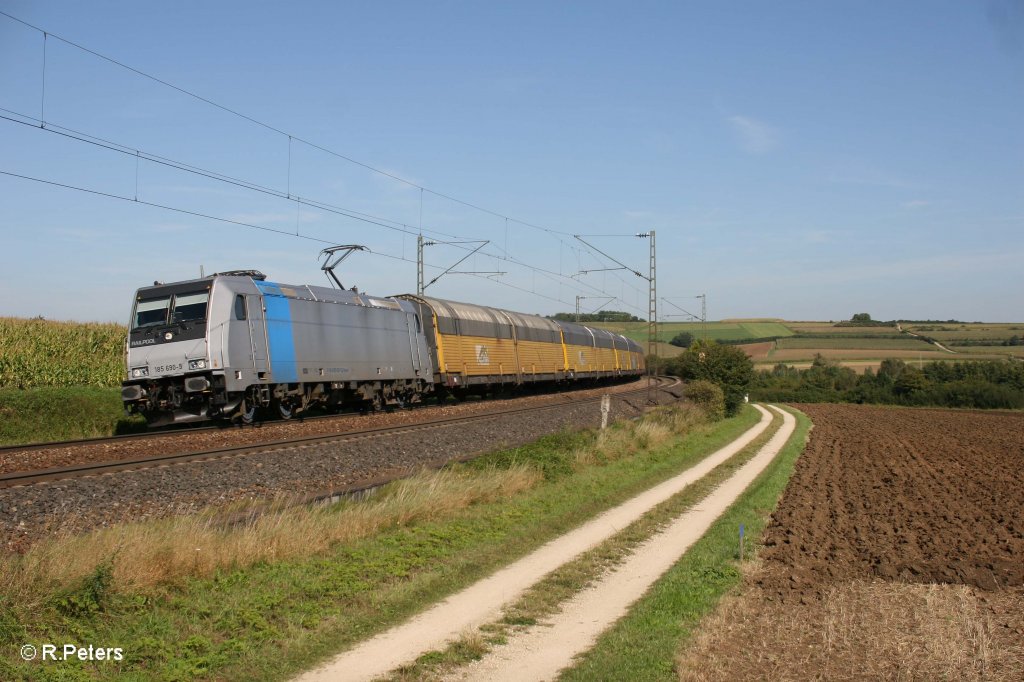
183,441
30,512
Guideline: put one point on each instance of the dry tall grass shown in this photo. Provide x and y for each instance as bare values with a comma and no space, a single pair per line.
626,439
165,551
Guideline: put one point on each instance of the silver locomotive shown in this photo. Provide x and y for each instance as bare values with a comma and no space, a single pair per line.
231,345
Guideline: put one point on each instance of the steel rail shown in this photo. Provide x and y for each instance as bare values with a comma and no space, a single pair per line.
23,478
178,430
166,432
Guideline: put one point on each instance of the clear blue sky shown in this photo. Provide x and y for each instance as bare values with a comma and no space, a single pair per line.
803,160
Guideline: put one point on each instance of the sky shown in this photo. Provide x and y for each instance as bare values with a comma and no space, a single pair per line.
800,160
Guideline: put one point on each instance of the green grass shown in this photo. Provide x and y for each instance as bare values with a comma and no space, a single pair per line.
830,329
37,352
856,343
48,414
644,644
275,618
956,332
990,350
719,331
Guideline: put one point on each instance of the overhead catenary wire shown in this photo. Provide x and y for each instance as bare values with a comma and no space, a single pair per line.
240,223
291,137
80,136
111,195
382,222
210,174
279,131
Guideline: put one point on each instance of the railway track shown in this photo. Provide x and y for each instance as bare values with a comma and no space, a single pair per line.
120,438
169,432
91,469
184,430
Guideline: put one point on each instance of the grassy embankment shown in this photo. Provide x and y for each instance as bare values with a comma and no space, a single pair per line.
58,380
50,414
188,598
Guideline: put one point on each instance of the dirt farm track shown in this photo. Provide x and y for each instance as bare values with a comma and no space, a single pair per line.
896,552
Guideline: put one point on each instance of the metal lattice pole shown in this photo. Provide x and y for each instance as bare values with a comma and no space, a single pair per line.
419,265
652,316
652,307
704,317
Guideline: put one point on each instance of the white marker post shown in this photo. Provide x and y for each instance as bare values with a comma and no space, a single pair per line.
606,407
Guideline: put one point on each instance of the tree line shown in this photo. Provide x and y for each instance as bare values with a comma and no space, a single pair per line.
706,365
600,316
995,384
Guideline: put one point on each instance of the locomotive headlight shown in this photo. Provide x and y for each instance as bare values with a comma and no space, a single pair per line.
197,364
139,372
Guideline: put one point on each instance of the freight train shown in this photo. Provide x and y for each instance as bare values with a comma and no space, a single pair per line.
234,346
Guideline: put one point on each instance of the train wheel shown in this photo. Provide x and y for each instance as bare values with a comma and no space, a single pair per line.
247,411
284,410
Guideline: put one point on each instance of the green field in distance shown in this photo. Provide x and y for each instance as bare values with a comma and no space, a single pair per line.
732,330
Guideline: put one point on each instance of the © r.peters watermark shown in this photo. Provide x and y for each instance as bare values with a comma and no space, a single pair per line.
66,652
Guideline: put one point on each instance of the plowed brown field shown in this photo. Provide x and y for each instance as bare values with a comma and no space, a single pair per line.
910,495
896,552
757,351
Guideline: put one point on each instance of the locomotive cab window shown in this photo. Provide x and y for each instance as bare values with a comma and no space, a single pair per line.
151,312
190,307
239,307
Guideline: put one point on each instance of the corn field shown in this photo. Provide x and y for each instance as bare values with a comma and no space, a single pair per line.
38,352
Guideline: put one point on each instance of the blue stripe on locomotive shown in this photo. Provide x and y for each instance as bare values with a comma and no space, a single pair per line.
279,333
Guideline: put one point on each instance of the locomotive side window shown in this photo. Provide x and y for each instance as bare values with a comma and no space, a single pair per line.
239,307
151,312
190,307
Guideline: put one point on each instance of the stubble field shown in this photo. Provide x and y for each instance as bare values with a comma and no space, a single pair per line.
897,551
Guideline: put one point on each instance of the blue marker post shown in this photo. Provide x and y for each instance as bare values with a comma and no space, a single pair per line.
741,542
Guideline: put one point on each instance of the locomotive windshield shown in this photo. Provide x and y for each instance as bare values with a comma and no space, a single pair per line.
151,312
176,309
190,307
